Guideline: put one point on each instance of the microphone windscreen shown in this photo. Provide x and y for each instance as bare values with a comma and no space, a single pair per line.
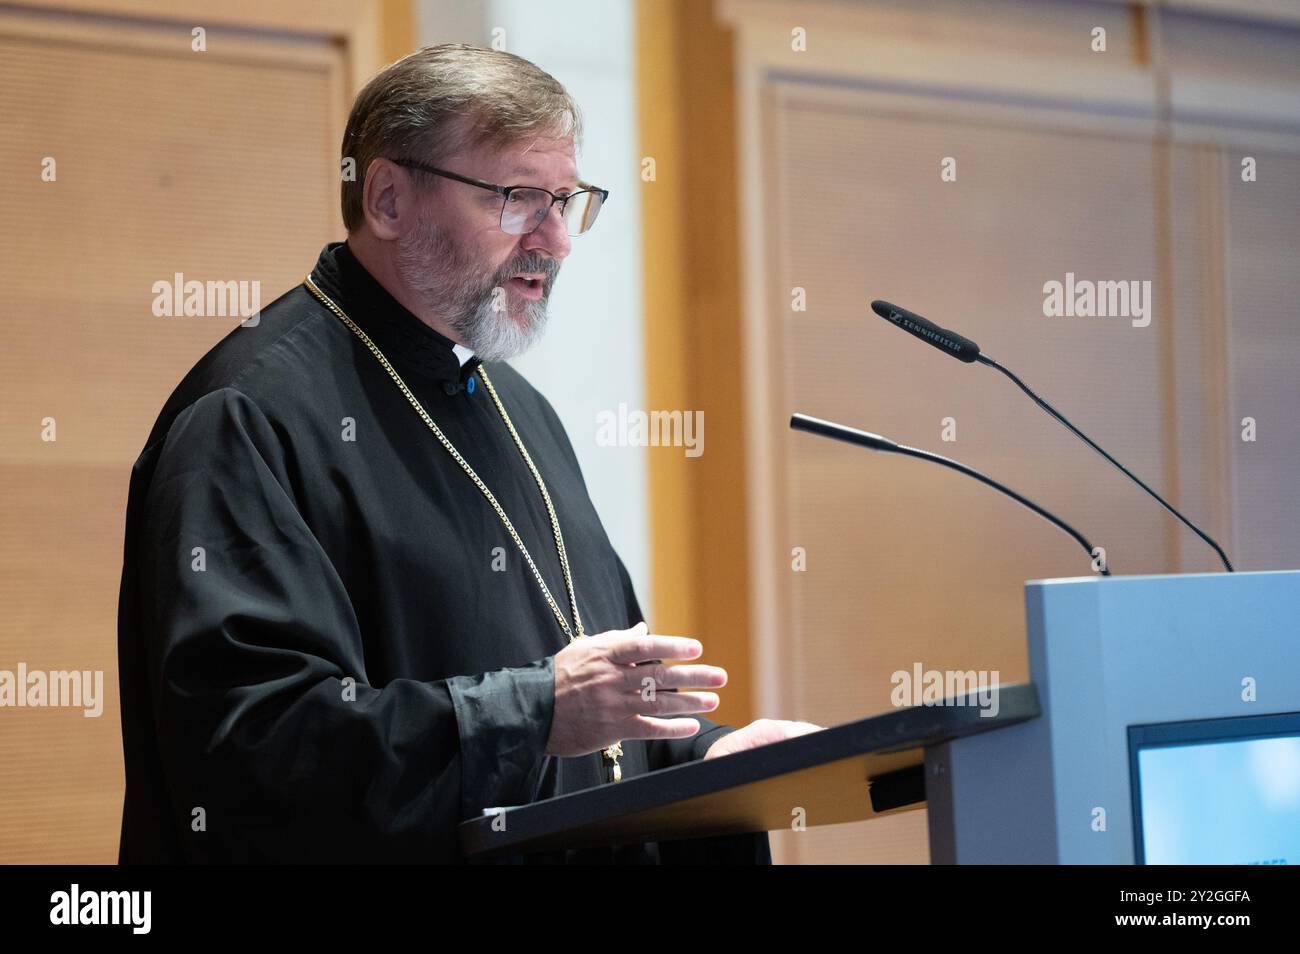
961,348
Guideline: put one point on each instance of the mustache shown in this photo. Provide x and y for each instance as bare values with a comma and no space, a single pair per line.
533,264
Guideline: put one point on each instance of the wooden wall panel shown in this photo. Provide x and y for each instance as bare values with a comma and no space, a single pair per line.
220,165
1115,166
692,321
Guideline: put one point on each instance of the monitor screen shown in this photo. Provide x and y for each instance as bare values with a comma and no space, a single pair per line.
1219,792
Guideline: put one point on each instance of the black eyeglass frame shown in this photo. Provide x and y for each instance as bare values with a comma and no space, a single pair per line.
504,191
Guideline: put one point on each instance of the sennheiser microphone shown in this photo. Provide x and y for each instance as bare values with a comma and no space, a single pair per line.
851,435
966,350
963,349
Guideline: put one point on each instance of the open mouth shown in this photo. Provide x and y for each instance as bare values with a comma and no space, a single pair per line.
527,286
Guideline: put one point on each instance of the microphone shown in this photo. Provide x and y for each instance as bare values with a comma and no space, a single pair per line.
963,349
968,351
851,435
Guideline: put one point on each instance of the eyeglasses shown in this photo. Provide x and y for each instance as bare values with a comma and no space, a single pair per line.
524,208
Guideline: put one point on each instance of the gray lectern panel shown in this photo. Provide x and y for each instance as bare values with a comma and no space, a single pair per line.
1107,655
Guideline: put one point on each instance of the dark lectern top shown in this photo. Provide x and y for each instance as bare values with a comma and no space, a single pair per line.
845,773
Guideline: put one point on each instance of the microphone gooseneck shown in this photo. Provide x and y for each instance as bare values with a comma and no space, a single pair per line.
851,435
985,359
963,349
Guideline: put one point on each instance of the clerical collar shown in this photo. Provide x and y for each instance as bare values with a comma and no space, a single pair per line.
403,338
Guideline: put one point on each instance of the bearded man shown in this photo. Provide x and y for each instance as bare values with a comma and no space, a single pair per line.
365,593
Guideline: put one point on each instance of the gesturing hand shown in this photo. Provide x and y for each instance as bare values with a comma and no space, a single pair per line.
600,697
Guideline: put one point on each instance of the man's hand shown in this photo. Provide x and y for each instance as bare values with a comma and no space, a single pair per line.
602,696
759,732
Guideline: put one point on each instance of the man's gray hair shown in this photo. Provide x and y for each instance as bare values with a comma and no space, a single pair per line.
441,99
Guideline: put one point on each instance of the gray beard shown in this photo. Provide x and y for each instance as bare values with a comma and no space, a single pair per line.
479,311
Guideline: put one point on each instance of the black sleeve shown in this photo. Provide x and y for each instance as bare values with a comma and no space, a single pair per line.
265,718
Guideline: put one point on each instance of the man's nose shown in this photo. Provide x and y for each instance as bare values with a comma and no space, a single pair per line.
552,236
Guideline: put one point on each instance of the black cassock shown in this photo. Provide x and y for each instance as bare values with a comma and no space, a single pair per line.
321,657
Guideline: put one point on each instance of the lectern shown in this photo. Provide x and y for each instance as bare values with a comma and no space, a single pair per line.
1161,725
1170,730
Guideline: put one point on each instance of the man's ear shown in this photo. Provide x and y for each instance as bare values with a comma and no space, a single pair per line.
386,196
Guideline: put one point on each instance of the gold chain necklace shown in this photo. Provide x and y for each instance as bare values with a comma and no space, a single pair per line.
612,752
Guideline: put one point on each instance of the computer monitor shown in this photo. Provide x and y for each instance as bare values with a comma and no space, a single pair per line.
1219,791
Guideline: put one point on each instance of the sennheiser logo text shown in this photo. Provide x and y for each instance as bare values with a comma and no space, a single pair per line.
943,341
